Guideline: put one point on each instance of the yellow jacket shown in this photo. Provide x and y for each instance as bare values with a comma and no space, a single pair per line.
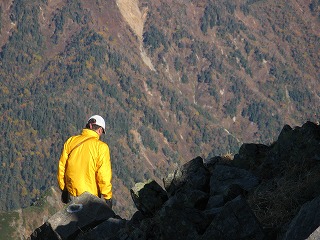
88,168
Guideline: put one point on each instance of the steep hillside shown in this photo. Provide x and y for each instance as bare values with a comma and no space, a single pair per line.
18,224
173,80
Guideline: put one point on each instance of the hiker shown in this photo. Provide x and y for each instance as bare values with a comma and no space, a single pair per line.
84,164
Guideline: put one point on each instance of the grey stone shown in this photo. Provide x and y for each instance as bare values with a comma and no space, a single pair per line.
69,224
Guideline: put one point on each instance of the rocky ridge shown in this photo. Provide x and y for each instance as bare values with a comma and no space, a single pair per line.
264,192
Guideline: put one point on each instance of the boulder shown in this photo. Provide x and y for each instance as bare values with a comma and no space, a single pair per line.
83,213
104,231
148,197
44,232
250,155
225,177
192,198
192,175
178,222
294,146
306,222
215,201
235,221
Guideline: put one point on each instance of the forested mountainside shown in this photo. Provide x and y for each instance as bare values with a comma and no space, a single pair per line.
173,79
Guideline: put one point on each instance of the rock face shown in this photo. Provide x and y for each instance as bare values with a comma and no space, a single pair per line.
265,192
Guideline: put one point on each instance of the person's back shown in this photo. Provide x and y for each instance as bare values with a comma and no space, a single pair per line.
85,165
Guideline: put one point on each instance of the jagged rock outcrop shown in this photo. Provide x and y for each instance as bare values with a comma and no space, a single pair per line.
266,192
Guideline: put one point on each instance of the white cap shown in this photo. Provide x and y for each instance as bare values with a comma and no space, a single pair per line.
99,121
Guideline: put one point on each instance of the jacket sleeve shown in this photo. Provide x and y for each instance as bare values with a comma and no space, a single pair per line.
62,166
104,173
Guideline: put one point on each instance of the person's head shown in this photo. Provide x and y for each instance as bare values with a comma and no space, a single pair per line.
97,124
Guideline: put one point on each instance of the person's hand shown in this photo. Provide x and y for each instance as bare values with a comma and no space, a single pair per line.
109,203
64,196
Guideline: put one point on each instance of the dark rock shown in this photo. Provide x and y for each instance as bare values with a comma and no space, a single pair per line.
215,201
250,155
192,198
212,212
297,146
192,175
233,191
225,176
44,232
105,231
176,222
236,221
136,219
148,197
306,221
212,162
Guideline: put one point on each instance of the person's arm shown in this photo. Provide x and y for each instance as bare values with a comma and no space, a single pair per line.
104,173
62,167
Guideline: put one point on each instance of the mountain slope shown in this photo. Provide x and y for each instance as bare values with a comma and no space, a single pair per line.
173,80
18,224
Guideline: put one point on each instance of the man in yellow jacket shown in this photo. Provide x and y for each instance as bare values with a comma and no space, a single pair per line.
85,165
